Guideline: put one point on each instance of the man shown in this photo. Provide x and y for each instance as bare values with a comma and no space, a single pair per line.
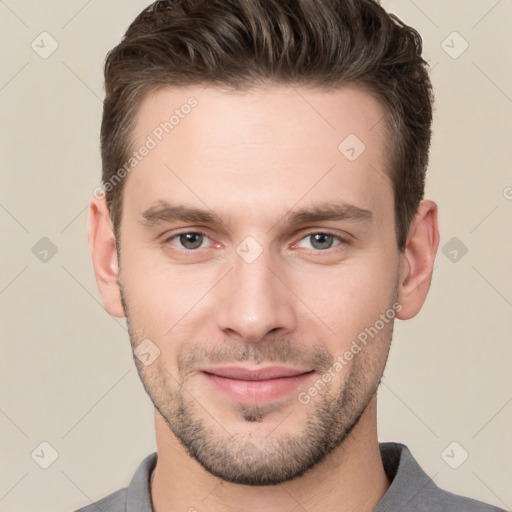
263,225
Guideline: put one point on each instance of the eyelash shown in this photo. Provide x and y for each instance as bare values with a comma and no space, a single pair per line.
342,240
327,233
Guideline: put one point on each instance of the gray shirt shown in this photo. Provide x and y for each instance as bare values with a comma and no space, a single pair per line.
411,489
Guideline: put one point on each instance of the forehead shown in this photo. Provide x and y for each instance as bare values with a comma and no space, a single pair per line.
223,117
278,144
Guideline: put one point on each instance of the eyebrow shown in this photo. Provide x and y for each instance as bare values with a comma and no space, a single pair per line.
162,212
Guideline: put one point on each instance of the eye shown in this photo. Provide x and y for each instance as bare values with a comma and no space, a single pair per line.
192,240
320,241
189,240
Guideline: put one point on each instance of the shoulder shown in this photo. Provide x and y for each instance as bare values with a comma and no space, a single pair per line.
414,490
115,502
134,497
436,499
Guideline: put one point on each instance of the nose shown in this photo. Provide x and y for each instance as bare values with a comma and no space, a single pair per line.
254,299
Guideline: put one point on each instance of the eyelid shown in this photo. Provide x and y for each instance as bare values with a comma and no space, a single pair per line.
167,239
342,239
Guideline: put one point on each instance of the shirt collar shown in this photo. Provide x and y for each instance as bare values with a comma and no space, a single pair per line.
407,480
138,498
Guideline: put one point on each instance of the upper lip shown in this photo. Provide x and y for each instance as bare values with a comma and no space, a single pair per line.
243,373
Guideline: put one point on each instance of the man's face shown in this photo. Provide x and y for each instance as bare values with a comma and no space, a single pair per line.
256,290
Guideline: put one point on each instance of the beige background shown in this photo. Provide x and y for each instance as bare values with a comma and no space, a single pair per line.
67,375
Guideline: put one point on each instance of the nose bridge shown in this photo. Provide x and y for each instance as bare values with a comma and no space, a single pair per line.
254,300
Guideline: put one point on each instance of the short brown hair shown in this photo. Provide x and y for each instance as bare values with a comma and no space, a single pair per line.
239,44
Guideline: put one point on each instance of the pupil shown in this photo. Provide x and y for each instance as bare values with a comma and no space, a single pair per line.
322,237
191,240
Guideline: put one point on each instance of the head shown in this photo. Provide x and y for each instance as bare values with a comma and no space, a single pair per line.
275,216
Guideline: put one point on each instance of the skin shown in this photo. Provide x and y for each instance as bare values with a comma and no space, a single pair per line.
251,159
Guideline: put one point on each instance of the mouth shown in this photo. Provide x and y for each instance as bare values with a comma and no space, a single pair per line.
262,385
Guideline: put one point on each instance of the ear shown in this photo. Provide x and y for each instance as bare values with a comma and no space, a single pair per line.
102,245
417,260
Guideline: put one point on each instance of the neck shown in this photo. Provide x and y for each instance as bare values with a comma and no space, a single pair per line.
351,478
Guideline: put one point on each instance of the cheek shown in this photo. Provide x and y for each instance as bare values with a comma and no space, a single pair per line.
348,297
163,299
166,299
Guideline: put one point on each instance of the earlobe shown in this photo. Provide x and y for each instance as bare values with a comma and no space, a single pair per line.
102,245
418,260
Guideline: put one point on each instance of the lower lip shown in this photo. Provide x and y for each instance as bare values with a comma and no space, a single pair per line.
259,391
